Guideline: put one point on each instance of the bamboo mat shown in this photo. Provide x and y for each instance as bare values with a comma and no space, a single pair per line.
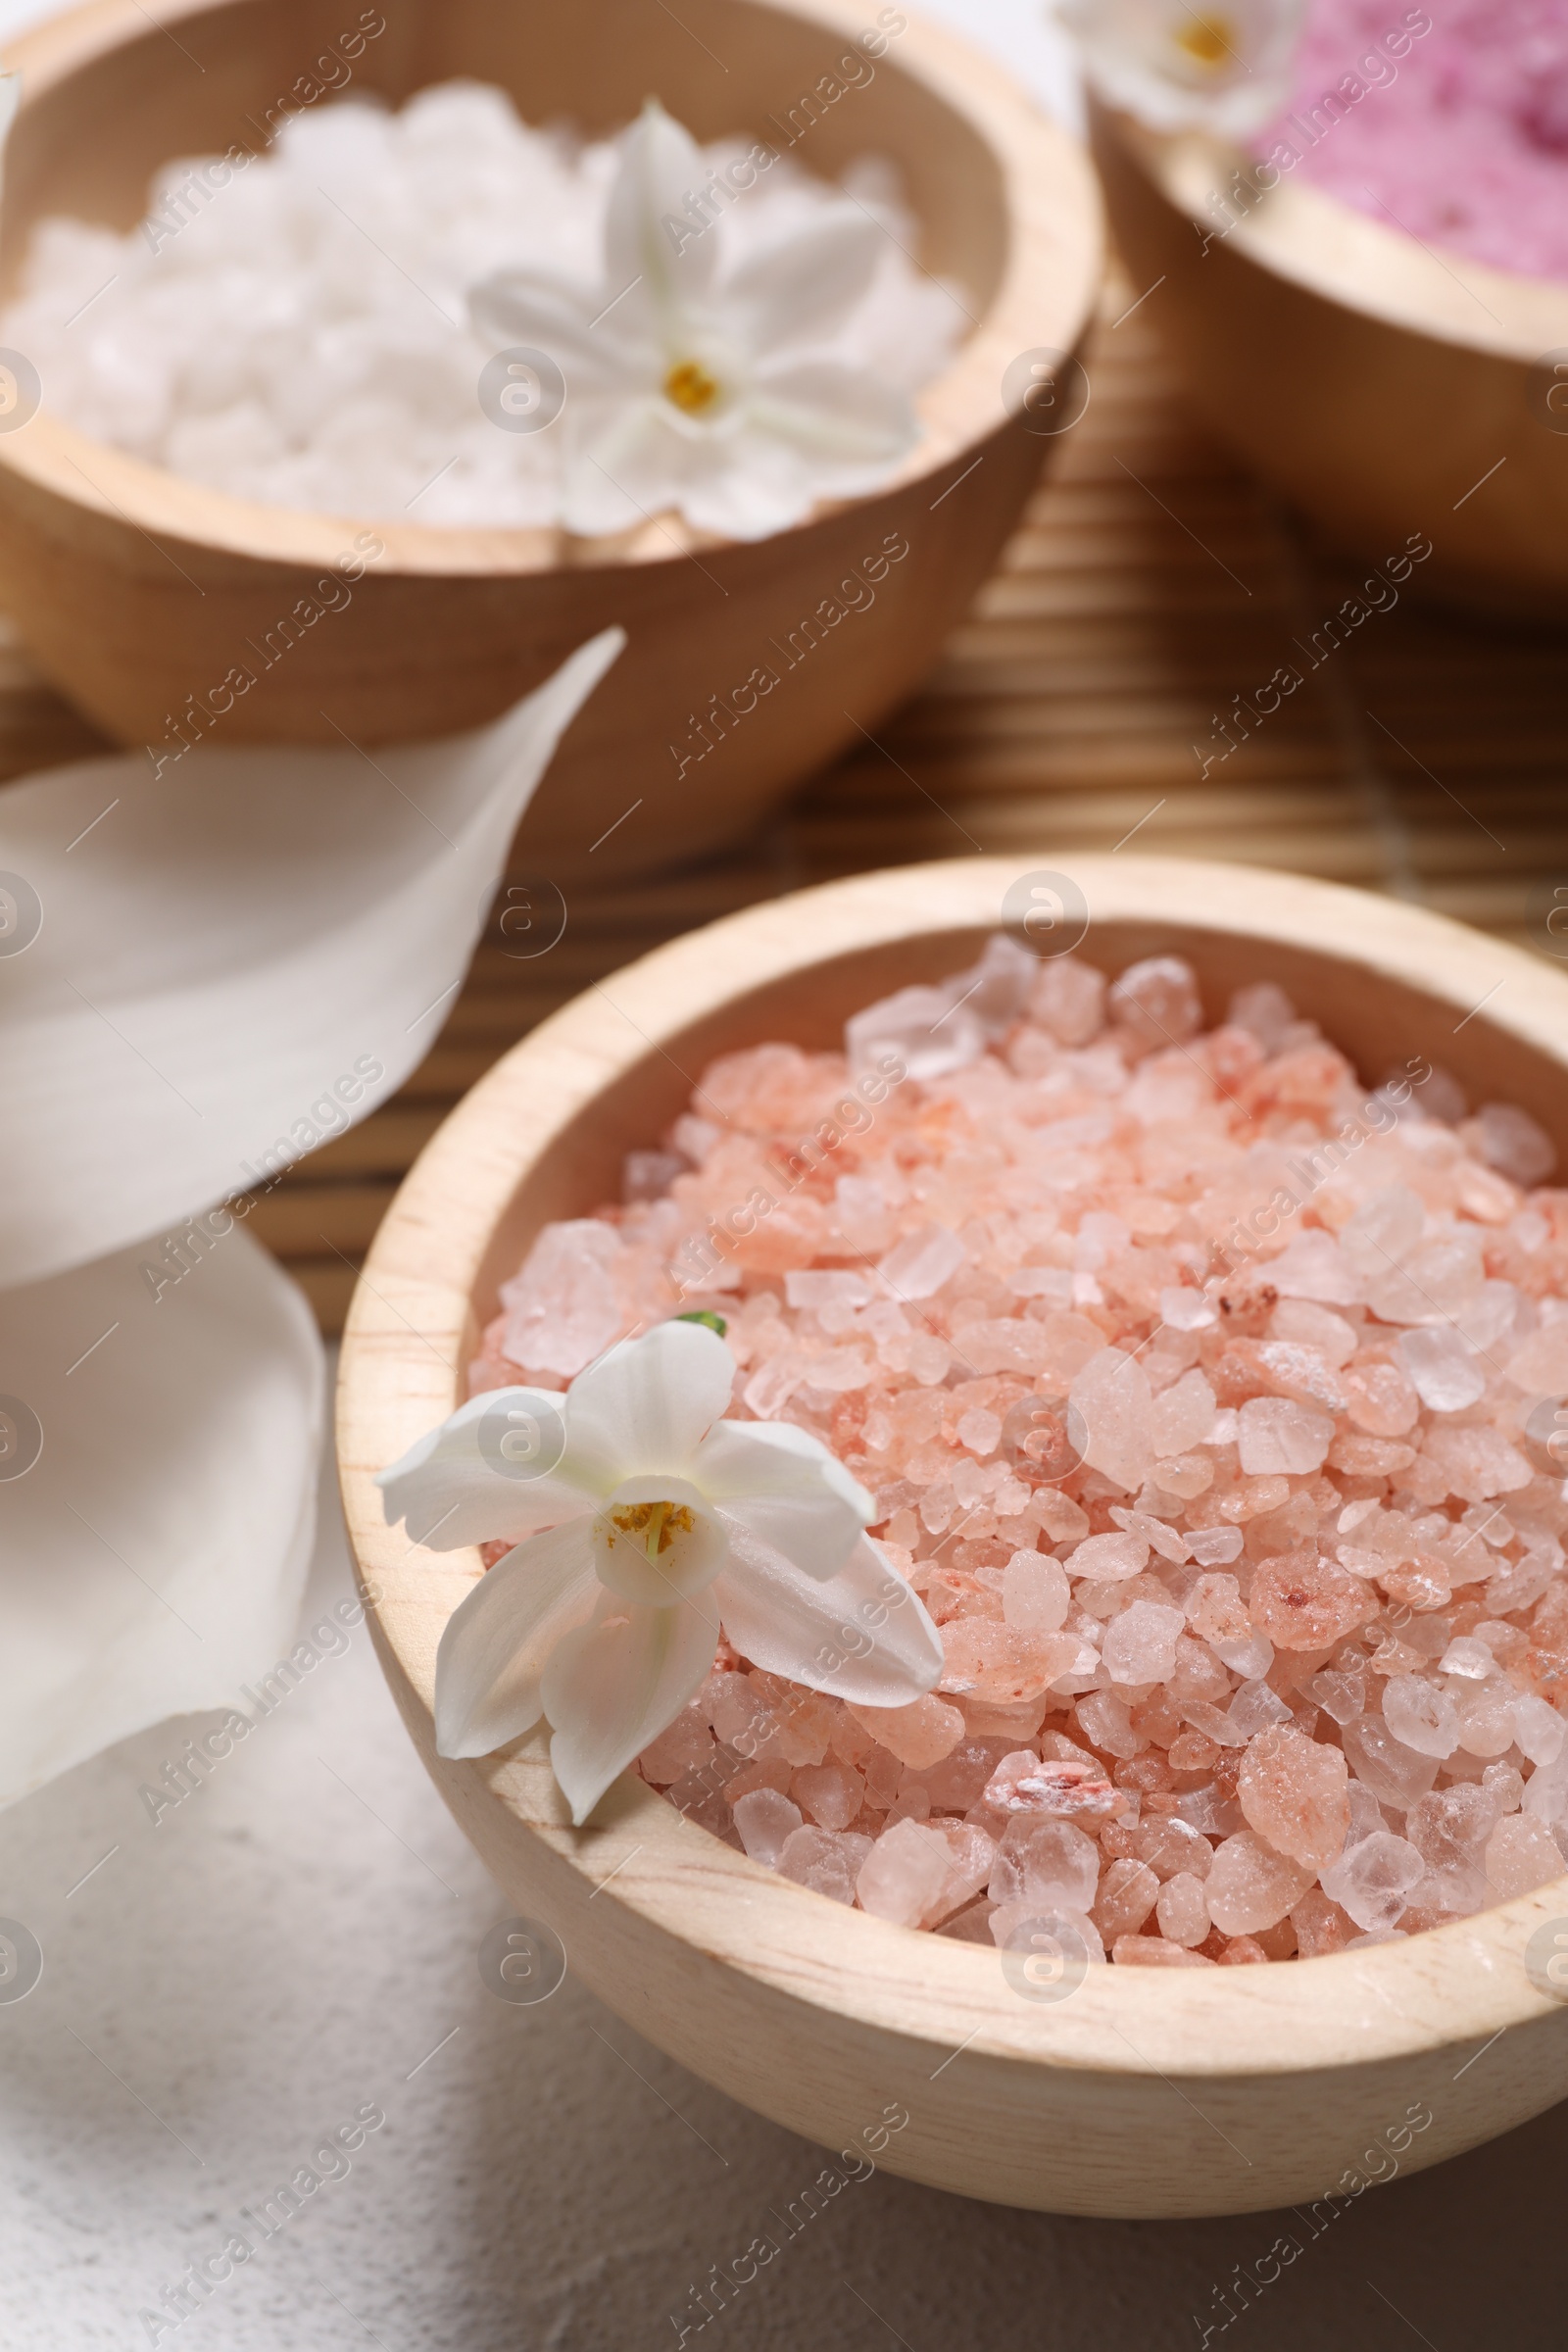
1150,583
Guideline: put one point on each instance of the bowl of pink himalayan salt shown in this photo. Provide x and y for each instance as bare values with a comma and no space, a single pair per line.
326,516
1370,300
1194,1306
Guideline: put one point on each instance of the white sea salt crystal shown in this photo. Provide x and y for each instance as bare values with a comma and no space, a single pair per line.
301,337
1443,1370
1276,1435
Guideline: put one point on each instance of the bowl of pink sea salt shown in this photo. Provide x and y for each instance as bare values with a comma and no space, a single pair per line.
1173,1255
1370,294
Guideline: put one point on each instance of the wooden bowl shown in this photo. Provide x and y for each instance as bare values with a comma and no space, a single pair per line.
1384,387
136,590
1146,2092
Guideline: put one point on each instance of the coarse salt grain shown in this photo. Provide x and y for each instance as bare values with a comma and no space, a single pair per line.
297,332
1245,1657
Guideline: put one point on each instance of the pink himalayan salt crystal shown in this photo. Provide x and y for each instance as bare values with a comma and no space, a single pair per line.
1372,1880
829,1794
1128,1892
1139,1644
1292,1791
1024,1784
563,1309
1157,1001
1051,1864
1250,1886
1035,1593
1115,1404
1305,1603
1277,1434
1321,1927
919,1734
1505,1136
1182,1909
1060,1199
904,1876
829,1864
765,1820
1153,1951
1521,1856
1421,1715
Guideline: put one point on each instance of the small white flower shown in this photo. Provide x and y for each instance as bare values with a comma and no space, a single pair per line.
663,1522
695,386
1186,64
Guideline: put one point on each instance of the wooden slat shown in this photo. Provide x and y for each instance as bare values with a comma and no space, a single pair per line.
1148,584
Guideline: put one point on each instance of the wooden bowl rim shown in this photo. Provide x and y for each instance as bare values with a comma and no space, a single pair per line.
406,1331
1319,242
1050,274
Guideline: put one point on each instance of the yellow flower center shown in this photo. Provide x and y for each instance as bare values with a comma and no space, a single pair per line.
690,387
649,1527
1208,40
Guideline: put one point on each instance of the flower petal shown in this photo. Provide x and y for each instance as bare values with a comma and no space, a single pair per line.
838,414
649,1403
863,1636
499,1640
648,234
799,288
614,1685
469,1482
528,306
249,949
157,1497
787,1490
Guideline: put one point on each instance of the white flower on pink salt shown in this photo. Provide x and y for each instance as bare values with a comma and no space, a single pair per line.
1180,65
690,386
659,1522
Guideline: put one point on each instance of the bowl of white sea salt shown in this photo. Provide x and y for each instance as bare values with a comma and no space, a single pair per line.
354,378
1166,1810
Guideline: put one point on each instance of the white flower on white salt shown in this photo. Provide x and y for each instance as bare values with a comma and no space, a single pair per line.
700,383
657,1523
235,959
1184,64
157,1466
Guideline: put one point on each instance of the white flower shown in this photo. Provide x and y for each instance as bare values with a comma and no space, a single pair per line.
1180,65
664,1522
697,387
